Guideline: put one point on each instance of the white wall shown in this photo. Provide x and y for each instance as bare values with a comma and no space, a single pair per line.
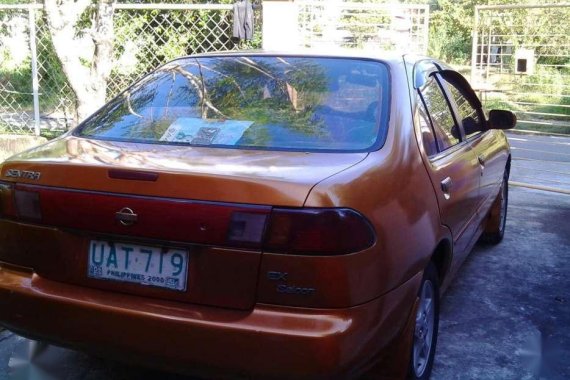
280,25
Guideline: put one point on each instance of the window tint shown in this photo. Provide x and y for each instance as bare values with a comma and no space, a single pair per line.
446,132
253,102
470,118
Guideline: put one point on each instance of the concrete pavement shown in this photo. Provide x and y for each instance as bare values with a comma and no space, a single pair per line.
507,314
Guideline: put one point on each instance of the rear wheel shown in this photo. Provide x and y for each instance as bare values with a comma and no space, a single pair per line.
497,220
426,329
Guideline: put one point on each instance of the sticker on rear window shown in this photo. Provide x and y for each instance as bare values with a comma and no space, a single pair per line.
206,132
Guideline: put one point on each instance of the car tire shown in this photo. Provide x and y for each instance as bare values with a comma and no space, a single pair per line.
497,219
426,326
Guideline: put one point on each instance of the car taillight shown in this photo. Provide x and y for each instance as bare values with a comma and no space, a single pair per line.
304,231
27,204
16,203
316,231
246,229
294,231
7,207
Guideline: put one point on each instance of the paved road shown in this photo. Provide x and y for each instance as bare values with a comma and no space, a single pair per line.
541,160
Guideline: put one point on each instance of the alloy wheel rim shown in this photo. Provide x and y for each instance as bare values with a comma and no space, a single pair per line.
423,334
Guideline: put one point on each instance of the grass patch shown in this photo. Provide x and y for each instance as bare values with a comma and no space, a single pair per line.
541,101
559,129
533,122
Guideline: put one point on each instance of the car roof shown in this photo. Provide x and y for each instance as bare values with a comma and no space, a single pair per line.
393,57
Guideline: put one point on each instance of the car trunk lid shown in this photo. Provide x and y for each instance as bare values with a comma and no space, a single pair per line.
220,175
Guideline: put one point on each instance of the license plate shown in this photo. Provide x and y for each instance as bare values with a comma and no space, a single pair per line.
140,264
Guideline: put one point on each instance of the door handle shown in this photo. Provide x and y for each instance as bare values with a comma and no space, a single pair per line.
446,186
481,160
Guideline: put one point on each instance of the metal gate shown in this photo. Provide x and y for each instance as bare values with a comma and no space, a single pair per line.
521,61
352,24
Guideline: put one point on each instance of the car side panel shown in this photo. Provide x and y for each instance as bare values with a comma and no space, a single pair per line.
458,206
491,147
393,190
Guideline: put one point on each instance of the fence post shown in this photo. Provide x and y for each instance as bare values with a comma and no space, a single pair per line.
426,29
35,82
474,36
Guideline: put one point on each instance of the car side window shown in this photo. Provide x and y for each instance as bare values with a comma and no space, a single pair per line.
446,131
470,118
428,137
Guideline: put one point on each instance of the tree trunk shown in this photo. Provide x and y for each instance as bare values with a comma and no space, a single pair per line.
89,83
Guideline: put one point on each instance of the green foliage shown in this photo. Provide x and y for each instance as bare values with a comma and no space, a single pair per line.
20,84
452,24
543,94
450,30
542,98
55,91
306,79
9,2
152,37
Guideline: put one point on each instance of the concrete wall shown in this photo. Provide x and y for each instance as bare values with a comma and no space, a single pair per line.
280,25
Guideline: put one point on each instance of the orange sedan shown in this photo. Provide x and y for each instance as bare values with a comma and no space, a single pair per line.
257,215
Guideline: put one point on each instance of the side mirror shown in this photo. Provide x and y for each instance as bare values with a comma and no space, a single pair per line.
501,119
470,126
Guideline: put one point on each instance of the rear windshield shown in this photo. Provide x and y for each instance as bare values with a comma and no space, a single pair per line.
252,102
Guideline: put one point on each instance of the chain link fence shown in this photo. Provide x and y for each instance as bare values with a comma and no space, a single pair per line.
356,24
34,93
147,36
16,97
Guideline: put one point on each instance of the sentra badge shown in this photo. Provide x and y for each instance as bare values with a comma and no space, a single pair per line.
26,174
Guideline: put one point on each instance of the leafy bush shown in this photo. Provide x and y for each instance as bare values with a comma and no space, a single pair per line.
16,85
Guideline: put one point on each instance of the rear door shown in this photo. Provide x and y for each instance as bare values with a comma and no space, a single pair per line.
452,163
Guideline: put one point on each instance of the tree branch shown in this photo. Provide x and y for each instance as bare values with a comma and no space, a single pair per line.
195,81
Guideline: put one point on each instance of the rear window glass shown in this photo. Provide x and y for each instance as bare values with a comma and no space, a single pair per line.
252,102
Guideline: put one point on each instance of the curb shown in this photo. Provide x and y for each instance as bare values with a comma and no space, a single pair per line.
527,132
539,187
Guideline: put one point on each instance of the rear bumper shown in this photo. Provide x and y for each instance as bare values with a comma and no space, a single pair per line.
268,341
